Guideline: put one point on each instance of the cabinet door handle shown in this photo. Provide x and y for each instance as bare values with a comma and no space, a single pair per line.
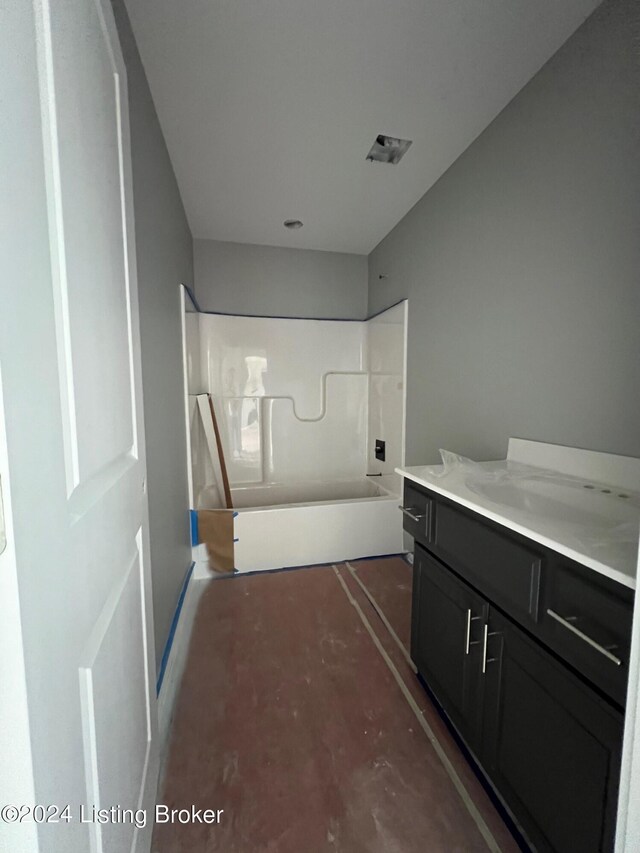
485,640
467,642
564,621
409,511
484,648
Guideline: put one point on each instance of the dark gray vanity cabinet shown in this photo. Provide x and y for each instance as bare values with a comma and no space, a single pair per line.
538,706
447,641
550,745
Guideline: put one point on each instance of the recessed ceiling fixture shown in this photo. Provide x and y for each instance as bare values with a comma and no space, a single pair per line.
292,224
388,149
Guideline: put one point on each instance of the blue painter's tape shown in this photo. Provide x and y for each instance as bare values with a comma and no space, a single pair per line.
195,538
193,299
172,629
236,540
382,310
235,513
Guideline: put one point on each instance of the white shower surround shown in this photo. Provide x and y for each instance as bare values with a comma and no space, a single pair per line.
291,396
300,404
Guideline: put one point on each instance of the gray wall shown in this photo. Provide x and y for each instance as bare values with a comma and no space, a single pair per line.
241,278
165,258
522,264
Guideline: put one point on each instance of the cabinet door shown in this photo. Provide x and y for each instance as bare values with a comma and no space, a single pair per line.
550,745
447,630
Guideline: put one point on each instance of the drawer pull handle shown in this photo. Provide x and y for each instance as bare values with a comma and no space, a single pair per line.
409,511
468,643
566,623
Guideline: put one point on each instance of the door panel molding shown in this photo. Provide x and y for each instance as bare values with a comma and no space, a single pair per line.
87,494
116,715
89,251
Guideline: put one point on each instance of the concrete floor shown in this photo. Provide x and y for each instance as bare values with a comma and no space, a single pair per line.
300,716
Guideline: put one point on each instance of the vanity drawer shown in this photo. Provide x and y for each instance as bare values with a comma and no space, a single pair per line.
417,512
493,560
586,619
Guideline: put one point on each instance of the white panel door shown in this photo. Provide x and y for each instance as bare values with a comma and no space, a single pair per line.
74,428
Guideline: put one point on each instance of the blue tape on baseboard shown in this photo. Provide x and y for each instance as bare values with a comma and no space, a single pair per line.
172,629
195,538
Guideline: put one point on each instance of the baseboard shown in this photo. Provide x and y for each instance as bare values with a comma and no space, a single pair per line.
201,570
175,655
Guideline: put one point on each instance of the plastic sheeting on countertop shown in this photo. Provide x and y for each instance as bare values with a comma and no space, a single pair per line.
595,516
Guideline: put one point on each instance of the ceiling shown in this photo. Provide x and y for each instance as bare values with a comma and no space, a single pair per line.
269,107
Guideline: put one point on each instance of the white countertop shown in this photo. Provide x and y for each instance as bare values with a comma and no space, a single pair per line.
592,521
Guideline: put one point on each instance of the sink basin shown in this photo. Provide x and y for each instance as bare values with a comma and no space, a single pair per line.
569,501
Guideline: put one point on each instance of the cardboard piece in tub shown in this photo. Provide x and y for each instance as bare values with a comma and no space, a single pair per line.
215,529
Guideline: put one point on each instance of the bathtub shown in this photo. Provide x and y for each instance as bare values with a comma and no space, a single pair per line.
311,492
298,433
282,525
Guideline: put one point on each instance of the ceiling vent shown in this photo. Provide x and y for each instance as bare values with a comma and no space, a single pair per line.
388,149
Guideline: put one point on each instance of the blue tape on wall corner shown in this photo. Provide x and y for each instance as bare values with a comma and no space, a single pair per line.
192,297
172,629
195,538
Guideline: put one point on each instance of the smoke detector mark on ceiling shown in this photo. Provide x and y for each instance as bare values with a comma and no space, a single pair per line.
388,149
